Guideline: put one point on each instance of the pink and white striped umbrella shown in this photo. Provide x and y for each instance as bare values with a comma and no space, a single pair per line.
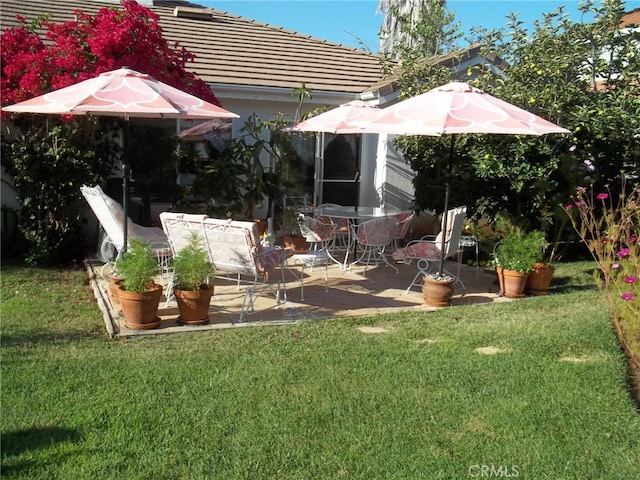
121,93
344,119
456,108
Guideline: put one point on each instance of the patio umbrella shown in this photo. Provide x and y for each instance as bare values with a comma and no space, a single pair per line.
344,119
457,108
122,93
347,118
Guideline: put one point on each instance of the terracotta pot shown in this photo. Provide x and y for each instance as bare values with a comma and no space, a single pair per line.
500,274
112,289
140,309
298,244
193,305
539,279
437,293
513,283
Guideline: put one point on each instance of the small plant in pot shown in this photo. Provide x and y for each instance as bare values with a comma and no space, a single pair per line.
192,289
437,289
514,257
139,295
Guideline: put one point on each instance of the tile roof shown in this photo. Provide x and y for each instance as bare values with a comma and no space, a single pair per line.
233,50
630,18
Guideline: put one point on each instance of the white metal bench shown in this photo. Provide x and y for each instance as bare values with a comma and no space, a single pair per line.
234,249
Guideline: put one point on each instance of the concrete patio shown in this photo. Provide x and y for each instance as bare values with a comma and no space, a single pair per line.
349,293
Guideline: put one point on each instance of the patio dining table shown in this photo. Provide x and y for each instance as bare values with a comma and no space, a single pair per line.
353,215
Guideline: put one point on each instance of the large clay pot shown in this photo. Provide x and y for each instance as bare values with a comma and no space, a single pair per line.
193,305
112,289
437,293
539,279
513,283
140,309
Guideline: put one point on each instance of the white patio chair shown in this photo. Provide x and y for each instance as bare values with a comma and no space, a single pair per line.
404,223
373,236
426,251
110,215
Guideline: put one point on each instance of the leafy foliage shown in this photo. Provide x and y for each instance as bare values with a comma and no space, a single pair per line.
580,75
138,265
609,225
50,158
190,265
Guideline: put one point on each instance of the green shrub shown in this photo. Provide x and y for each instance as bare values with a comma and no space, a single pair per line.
138,265
191,267
519,251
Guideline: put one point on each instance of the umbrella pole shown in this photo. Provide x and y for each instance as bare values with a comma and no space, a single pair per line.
445,214
125,186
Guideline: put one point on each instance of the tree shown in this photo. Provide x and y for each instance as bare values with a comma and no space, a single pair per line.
403,19
69,152
580,75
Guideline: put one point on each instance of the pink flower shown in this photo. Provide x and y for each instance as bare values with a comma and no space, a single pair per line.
624,253
569,207
633,239
589,165
602,196
581,189
580,203
627,296
630,279
615,266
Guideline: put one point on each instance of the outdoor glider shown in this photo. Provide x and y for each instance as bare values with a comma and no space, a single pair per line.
122,93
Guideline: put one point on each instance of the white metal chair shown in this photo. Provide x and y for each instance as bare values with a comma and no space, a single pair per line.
342,232
404,223
427,250
373,236
111,216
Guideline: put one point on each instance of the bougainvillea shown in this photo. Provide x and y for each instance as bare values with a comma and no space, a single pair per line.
129,35
49,158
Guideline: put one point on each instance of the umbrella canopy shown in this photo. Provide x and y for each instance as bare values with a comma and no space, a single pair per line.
122,93
344,119
199,131
456,108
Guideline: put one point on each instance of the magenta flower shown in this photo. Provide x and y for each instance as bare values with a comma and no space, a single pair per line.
630,279
627,296
633,239
624,253
602,196
580,203
569,207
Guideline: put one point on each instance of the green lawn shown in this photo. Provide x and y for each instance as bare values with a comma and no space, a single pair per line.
317,400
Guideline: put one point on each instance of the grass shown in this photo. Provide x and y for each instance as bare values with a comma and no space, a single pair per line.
317,400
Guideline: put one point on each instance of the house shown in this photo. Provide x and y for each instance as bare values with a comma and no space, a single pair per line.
253,68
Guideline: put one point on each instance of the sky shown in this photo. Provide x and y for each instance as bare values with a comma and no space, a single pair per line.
355,23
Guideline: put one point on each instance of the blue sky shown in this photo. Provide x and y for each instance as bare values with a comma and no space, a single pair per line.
348,21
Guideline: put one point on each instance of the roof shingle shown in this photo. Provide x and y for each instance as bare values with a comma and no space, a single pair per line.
234,50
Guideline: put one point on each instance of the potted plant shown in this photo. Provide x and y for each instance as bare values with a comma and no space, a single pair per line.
139,295
191,282
514,257
539,278
437,289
